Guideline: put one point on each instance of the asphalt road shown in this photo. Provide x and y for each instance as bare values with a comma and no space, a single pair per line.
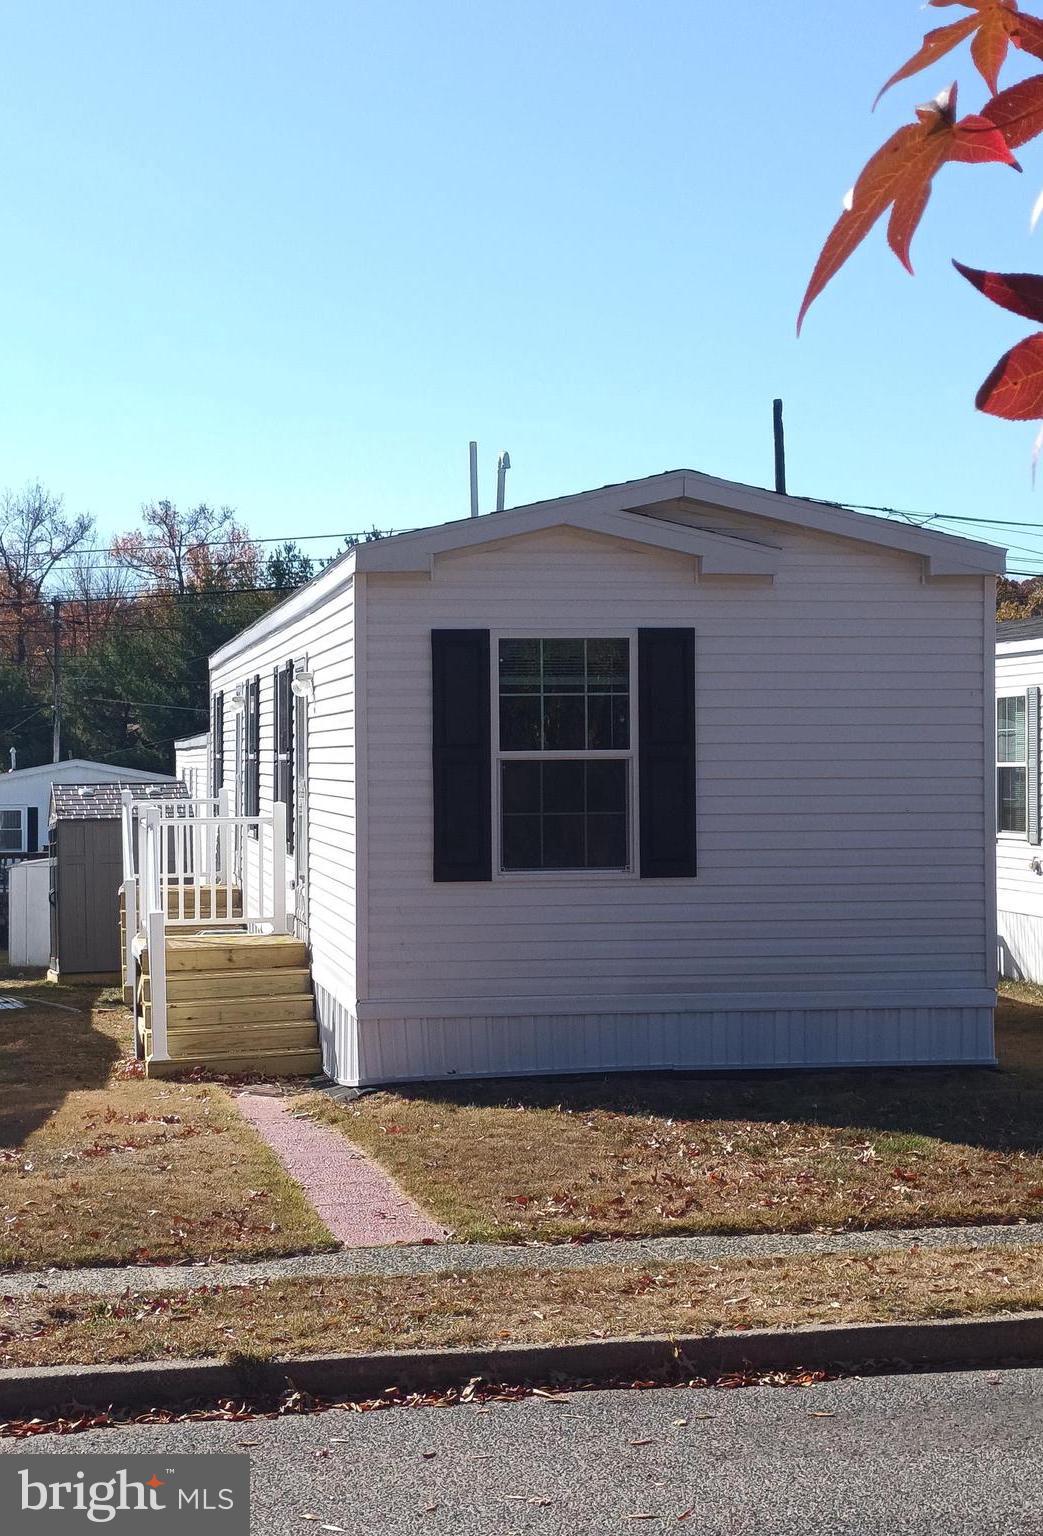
942,1453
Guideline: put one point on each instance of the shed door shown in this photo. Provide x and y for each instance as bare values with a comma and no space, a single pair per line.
90,869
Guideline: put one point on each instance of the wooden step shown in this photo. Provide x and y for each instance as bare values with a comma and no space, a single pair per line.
241,952
200,1012
205,904
284,981
202,902
301,1062
238,1040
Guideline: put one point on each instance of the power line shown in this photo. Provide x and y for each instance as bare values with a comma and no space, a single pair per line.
97,698
244,543
10,730
154,594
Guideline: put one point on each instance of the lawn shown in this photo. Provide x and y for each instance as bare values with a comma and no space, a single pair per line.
552,1160
527,1306
100,1166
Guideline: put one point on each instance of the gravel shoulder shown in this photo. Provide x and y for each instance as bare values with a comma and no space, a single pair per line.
445,1258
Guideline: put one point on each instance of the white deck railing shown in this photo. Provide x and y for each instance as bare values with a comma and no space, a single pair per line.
211,805
177,851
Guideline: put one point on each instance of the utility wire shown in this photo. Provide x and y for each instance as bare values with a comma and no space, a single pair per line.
94,698
10,730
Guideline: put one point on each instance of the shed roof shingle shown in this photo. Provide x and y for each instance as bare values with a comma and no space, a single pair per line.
1019,629
102,802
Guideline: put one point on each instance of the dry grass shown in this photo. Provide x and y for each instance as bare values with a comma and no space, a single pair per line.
98,1165
526,1306
546,1159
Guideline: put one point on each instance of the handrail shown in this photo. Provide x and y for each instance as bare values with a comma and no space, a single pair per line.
180,851
132,856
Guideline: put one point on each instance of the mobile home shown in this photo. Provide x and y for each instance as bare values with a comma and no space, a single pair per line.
677,773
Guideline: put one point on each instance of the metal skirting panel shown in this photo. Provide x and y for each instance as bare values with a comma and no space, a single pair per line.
338,1035
388,1050
1020,946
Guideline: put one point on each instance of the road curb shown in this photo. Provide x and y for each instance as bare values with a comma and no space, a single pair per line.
952,1344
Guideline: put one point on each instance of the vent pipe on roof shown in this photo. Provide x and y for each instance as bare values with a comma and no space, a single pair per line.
474,479
503,464
780,447
14,758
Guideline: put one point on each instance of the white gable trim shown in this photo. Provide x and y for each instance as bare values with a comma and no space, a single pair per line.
614,510
946,554
716,553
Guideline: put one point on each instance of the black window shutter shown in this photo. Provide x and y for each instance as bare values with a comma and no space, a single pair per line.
32,829
218,746
461,754
253,749
666,752
276,732
283,744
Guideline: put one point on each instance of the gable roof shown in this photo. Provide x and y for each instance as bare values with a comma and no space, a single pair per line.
69,767
104,802
623,511
619,509
1019,629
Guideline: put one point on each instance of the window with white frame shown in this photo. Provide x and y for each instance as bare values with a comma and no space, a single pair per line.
564,762
13,831
1011,764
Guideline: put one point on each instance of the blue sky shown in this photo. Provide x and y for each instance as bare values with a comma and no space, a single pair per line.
291,257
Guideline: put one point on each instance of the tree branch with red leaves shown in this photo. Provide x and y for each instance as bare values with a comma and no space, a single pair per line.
900,175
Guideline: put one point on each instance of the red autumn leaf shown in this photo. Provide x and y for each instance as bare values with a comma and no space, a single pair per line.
1028,35
993,25
935,46
1020,292
1018,111
1014,388
976,140
991,41
899,176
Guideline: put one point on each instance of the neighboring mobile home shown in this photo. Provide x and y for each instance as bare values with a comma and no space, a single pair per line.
191,763
25,797
1019,857
672,774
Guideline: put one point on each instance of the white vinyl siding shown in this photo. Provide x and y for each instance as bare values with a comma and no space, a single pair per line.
843,772
191,766
1019,872
324,634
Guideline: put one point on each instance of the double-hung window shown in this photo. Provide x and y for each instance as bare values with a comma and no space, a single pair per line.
564,765
1011,764
13,831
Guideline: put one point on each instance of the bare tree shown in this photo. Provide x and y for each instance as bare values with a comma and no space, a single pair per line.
35,536
203,547
97,589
